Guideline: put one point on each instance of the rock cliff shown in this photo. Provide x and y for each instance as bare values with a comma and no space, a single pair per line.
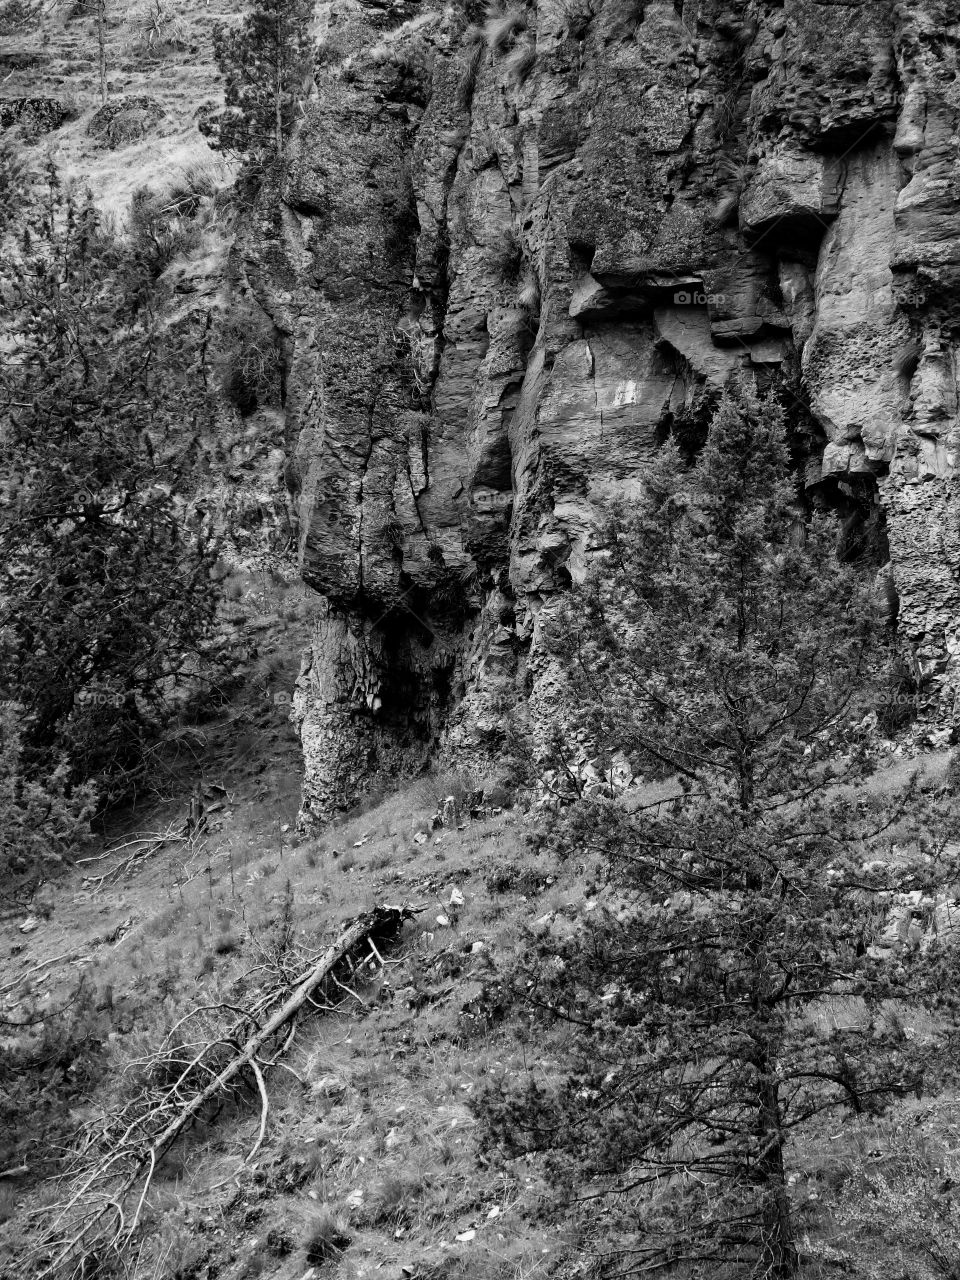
509,251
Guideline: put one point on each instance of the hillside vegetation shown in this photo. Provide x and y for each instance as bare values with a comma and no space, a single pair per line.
371,1163
701,1024
670,988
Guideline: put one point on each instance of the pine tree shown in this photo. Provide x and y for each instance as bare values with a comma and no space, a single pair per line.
264,61
720,646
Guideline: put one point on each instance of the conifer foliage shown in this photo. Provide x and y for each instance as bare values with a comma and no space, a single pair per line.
264,61
105,585
737,992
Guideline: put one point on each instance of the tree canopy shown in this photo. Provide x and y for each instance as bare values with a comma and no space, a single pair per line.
737,988
105,587
264,61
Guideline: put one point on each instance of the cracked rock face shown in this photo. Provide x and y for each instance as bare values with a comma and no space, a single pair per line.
507,263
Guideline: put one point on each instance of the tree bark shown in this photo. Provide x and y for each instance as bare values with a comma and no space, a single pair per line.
778,1250
278,96
102,48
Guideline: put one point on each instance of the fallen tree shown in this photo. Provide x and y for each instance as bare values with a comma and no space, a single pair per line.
203,1059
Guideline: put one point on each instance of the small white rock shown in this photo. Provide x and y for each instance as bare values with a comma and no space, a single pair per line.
464,1236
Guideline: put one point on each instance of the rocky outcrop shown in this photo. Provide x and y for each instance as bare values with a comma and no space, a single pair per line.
508,259
122,121
35,116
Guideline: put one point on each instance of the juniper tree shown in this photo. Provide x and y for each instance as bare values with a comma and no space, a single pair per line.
720,645
105,587
263,61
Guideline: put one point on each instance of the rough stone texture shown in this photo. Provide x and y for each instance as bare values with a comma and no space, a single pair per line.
122,121
35,116
502,279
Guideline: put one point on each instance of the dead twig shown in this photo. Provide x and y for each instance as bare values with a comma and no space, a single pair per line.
44,964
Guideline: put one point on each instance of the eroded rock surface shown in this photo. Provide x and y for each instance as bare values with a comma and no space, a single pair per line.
507,263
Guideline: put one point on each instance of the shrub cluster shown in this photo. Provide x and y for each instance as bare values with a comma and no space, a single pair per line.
106,593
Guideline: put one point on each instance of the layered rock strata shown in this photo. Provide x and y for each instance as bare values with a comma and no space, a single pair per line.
509,254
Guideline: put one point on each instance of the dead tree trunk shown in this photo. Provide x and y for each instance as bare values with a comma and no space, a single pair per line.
93,1219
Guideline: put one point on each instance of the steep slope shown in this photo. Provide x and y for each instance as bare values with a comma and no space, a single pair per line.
507,259
372,1163
160,74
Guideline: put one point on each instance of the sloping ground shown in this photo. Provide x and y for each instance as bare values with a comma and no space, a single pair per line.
370,1156
58,58
371,1165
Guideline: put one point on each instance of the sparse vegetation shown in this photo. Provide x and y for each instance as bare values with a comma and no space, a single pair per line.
528,295
14,185
503,26
161,229
43,819
578,14
508,257
160,30
436,787
472,54
407,66
250,358
623,20
519,62
325,1237
897,696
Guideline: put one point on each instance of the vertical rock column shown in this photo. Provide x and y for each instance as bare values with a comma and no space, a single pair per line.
921,492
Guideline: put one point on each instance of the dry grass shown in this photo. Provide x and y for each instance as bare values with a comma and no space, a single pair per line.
371,1149
528,294
503,26
577,15
385,1158
472,53
388,47
520,61
62,53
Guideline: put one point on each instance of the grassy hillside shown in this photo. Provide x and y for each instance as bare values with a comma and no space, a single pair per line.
51,51
369,1158
371,1163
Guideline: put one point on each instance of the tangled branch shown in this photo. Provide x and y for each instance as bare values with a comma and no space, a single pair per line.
209,1054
